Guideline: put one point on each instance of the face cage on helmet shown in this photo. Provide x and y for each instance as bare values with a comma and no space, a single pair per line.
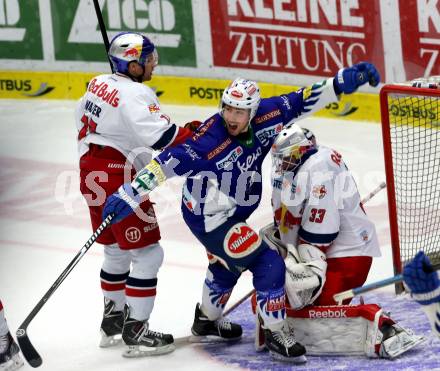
289,159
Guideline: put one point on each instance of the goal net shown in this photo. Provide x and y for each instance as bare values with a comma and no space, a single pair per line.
411,139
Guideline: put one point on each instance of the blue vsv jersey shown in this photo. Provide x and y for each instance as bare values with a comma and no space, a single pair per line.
224,173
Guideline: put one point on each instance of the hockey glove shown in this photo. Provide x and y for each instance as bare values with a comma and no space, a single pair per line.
121,203
347,80
421,280
193,125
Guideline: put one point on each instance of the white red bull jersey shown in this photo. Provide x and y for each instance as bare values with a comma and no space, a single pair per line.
118,112
320,203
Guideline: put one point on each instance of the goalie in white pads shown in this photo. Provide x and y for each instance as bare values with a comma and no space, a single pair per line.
317,208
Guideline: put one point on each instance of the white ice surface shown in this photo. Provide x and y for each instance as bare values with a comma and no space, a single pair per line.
44,223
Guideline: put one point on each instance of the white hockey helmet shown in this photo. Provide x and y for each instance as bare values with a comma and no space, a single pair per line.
130,46
289,147
242,93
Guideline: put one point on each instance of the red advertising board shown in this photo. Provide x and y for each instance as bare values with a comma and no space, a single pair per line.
315,37
420,33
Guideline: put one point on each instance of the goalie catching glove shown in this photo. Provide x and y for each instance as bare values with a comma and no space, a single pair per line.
129,196
305,274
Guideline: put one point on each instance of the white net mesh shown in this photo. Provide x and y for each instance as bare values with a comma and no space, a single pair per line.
414,123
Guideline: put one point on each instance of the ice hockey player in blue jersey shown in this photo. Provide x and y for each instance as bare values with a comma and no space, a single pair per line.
222,165
424,285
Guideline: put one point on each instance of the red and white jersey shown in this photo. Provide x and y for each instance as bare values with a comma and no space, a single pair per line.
320,204
123,114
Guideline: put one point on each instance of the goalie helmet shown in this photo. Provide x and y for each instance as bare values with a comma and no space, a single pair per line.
291,144
242,93
130,46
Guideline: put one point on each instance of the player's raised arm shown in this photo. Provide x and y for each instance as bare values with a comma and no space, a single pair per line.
310,99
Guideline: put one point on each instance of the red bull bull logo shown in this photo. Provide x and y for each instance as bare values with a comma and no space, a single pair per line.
132,52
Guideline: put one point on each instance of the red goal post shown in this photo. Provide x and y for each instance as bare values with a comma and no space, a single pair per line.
411,141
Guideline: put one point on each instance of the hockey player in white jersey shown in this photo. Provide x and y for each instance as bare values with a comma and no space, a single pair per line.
330,245
120,123
10,359
424,286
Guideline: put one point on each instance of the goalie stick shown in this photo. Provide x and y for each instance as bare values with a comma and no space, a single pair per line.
341,296
29,352
184,339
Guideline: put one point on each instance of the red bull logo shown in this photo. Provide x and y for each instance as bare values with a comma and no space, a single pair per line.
132,52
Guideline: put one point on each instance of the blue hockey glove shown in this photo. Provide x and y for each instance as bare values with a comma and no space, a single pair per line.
121,203
421,280
347,80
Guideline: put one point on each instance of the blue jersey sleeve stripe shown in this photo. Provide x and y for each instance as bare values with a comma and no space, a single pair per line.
317,238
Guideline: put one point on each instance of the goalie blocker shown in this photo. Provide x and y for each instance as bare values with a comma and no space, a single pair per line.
345,330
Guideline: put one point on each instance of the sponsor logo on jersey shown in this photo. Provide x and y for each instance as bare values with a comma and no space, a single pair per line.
247,164
241,241
319,191
277,183
102,91
286,102
202,129
190,151
327,313
226,163
267,133
219,149
364,236
267,116
133,234
153,108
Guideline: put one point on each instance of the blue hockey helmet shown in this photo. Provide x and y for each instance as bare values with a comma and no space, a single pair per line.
130,46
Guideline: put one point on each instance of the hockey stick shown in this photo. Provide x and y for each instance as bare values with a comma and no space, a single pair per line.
367,198
340,297
103,30
28,350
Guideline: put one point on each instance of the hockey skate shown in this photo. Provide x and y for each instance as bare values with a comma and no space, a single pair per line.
10,358
141,341
397,340
282,344
111,325
206,331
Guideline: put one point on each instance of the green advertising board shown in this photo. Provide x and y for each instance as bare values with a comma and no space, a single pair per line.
20,33
168,23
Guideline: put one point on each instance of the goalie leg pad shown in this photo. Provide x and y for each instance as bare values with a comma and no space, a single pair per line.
350,330
386,339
